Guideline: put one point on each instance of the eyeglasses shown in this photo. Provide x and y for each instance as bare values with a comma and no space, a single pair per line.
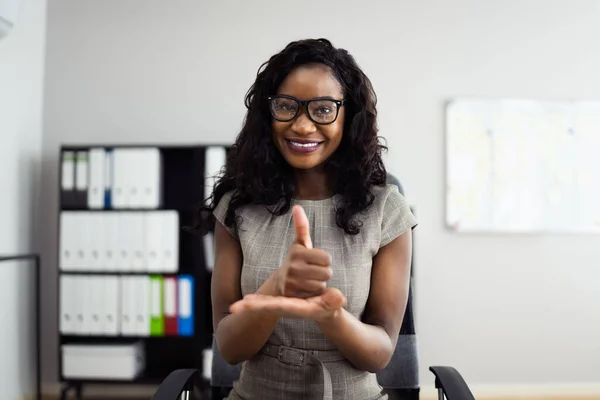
321,111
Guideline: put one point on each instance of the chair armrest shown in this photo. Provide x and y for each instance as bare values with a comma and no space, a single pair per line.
451,383
175,383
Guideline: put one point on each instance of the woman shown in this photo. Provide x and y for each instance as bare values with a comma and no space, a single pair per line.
312,246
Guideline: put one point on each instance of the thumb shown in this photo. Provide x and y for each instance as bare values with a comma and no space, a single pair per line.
332,298
302,228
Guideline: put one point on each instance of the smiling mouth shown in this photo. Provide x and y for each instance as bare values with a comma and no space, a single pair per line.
303,143
303,146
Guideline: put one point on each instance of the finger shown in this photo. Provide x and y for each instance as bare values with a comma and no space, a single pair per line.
312,256
307,288
289,306
330,299
302,227
303,271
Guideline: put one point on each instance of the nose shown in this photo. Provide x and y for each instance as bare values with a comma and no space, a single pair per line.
303,125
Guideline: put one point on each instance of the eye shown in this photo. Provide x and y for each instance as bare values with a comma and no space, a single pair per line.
323,111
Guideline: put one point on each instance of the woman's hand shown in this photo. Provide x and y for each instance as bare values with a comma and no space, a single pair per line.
318,308
305,271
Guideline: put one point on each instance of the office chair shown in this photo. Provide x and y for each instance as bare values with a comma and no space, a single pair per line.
399,379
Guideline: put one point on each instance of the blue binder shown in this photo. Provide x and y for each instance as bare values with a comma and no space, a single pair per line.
185,306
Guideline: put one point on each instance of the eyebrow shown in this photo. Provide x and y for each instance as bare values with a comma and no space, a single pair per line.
313,98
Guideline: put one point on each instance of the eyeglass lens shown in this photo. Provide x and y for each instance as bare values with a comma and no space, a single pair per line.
322,111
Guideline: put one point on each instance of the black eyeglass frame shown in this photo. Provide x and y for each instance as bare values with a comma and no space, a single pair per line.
305,104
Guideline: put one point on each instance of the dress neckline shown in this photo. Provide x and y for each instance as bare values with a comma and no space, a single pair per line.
326,201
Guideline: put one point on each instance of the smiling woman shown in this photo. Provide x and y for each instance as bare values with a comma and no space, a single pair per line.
312,246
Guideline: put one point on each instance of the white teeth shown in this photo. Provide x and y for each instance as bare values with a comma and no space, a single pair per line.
304,144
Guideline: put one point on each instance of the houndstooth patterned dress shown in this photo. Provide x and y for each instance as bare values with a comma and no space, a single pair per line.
298,361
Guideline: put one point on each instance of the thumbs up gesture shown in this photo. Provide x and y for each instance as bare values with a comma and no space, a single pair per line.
301,286
305,270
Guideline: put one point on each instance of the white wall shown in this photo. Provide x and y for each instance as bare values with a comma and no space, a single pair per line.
21,82
158,72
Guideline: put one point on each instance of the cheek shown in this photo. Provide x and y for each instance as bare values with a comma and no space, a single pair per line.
278,128
335,133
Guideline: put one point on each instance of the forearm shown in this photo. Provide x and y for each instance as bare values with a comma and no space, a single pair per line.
242,334
367,347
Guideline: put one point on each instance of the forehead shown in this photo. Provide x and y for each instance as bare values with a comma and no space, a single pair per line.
310,81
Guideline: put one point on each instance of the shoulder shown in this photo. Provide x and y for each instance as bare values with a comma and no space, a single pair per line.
393,212
221,211
386,194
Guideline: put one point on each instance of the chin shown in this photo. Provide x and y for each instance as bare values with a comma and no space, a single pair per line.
303,162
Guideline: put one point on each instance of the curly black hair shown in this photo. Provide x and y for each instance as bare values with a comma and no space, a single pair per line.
258,174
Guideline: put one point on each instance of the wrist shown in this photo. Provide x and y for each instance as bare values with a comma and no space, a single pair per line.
332,319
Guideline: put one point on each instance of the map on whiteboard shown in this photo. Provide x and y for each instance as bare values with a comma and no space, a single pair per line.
523,166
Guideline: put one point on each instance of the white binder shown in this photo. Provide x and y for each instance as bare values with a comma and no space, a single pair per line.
120,189
95,241
111,245
141,289
150,178
68,171
67,240
170,241
97,168
128,306
125,248
110,304
67,304
94,304
215,159
135,239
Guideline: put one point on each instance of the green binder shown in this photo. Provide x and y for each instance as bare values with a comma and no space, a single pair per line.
157,315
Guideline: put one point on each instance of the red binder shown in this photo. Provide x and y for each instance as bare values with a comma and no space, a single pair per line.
170,305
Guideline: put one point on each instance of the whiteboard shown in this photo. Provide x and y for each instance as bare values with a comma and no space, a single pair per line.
521,166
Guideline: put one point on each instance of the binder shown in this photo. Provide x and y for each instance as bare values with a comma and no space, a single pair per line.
150,178
78,293
157,322
135,240
111,242
81,178
128,306
136,178
109,303
170,306
108,178
215,159
67,179
67,241
170,241
93,225
95,195
161,235
120,189
67,304
142,305
125,252
93,303
186,305
208,242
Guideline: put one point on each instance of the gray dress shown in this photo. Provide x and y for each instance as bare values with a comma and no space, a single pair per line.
298,360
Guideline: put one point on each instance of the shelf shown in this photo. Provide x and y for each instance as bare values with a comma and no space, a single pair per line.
121,339
182,189
120,273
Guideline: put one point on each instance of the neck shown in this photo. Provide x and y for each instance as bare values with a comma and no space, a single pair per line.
312,185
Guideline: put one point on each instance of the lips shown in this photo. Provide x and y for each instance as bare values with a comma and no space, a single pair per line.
302,145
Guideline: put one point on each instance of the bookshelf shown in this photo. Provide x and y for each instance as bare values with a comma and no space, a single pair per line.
133,286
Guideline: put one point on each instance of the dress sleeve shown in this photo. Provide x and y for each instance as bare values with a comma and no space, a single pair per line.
397,216
220,212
